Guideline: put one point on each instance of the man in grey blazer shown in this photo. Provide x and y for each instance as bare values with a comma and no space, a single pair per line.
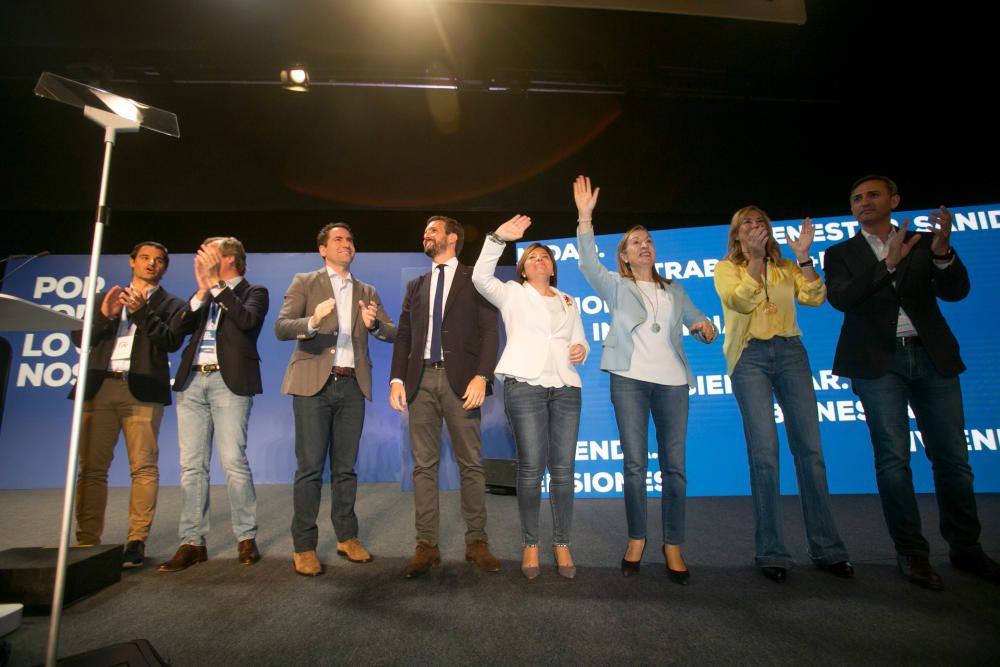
330,314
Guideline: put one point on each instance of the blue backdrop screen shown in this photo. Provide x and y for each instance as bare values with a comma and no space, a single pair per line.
36,424
716,449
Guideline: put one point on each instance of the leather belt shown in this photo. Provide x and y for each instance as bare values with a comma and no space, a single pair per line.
342,371
436,365
116,375
908,341
206,368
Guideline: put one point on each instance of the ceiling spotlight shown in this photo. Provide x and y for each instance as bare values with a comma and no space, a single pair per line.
295,78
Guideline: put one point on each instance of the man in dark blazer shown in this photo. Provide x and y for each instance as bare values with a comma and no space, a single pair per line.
442,368
128,383
329,314
218,376
897,348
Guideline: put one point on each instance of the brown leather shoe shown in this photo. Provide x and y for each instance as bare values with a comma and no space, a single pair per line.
919,571
307,564
353,551
424,558
479,552
248,553
186,556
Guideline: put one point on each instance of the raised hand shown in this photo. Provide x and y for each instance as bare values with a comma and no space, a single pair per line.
586,198
942,219
801,245
321,312
368,313
513,229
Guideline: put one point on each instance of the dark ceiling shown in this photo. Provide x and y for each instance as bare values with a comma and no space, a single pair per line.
680,119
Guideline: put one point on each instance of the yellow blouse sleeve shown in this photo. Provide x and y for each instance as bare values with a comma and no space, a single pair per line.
808,292
737,290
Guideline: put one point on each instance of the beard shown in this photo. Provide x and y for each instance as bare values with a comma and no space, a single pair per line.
434,249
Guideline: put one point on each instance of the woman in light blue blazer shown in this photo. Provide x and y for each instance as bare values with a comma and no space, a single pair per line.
650,375
545,341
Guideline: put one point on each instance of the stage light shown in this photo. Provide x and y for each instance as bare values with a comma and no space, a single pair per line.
295,78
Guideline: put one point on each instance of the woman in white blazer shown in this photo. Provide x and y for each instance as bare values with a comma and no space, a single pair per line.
545,341
650,375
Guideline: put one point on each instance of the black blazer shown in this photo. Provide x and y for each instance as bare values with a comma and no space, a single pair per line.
469,334
149,370
858,284
243,310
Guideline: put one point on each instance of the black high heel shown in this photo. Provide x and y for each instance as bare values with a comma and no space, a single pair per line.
677,576
631,567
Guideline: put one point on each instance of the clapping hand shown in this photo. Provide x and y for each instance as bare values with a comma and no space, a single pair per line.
942,219
801,245
899,247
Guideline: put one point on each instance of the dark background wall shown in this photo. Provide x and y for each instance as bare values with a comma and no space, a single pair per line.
680,119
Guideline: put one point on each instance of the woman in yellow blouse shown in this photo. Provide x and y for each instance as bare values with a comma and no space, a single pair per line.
766,360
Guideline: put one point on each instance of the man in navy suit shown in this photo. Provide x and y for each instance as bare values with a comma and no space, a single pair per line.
218,376
442,369
128,384
897,348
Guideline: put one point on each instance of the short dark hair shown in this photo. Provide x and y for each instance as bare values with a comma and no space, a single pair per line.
524,260
325,232
230,246
451,226
152,244
889,183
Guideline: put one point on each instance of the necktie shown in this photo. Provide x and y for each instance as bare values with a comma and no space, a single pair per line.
436,354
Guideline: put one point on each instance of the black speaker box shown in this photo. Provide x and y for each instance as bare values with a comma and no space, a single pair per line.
501,476
28,574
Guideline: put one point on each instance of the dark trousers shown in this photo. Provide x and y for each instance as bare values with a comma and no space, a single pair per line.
937,404
435,401
328,422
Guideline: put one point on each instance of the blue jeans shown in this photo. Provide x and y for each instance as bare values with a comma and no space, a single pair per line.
206,407
545,423
328,422
937,405
780,367
634,401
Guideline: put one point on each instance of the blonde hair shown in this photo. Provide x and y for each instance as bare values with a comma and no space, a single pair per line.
625,270
735,250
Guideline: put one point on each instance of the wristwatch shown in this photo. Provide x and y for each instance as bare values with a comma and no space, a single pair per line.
493,236
221,284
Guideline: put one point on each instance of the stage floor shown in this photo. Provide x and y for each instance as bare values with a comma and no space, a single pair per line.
222,613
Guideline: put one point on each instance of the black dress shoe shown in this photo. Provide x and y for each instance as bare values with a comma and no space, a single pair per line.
774,573
977,564
676,576
919,571
631,567
843,569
